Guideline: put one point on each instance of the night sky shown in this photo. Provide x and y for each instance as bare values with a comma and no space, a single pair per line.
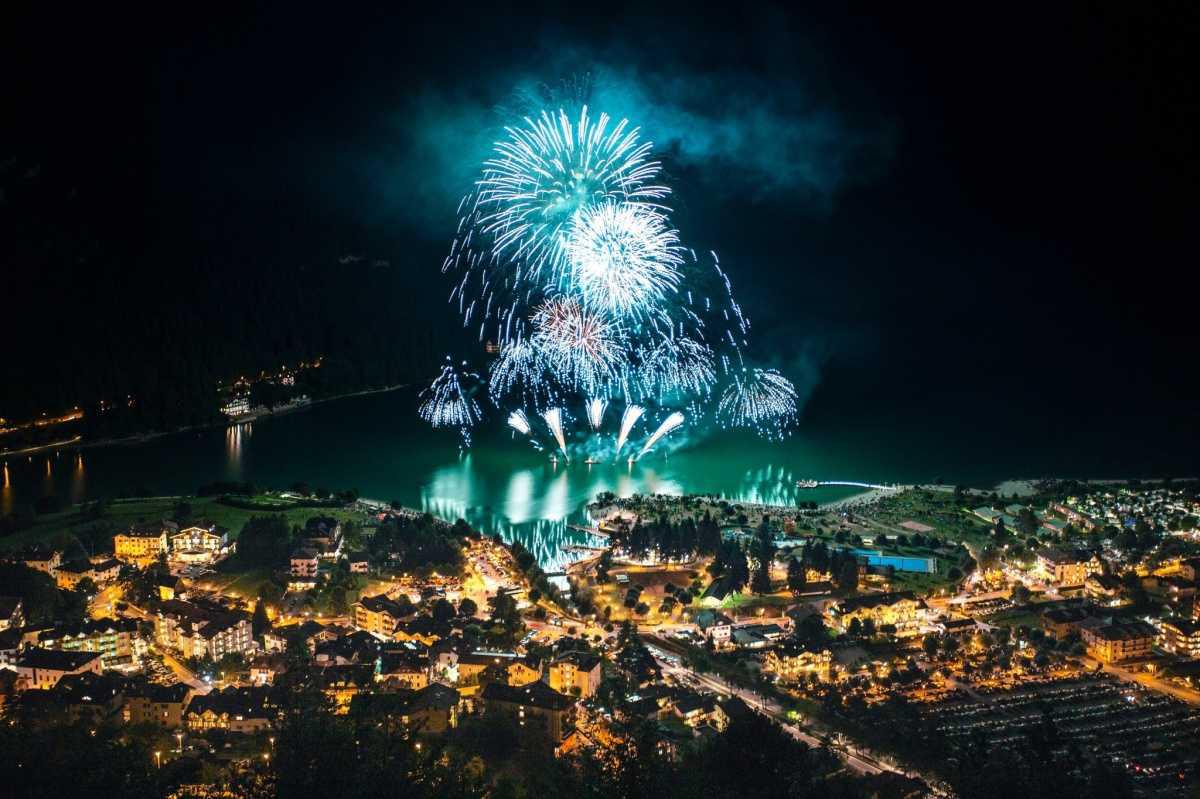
927,213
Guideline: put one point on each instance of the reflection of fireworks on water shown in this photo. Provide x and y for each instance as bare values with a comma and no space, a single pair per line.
670,423
447,402
595,412
628,420
553,419
761,399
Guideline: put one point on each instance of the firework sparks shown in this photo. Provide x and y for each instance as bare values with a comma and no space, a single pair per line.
553,419
448,403
673,421
595,412
628,420
760,399
518,421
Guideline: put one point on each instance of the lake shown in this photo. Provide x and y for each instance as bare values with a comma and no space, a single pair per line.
377,445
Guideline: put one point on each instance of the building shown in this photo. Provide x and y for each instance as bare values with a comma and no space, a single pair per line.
143,542
117,641
202,542
575,674
717,627
42,559
1104,588
342,683
1182,637
69,575
1067,568
241,710
41,669
358,563
1114,643
1062,622
798,664
901,609
304,563
379,614
12,613
160,705
201,631
535,704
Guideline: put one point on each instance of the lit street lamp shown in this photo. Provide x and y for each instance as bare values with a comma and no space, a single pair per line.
158,759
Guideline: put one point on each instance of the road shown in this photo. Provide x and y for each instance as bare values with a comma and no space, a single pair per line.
184,675
1153,682
855,759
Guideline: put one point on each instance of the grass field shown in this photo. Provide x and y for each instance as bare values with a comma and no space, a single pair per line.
123,512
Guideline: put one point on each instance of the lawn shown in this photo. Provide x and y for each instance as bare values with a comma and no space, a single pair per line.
121,513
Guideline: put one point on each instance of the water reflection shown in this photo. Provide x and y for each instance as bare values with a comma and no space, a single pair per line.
78,488
234,435
6,491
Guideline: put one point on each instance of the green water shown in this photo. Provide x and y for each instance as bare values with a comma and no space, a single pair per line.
377,445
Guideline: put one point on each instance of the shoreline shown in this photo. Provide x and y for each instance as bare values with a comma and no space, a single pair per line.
142,438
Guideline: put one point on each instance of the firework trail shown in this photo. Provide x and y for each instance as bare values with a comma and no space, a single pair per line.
518,421
628,420
553,419
670,423
595,412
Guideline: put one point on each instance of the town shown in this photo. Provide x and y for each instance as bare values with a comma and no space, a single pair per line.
928,640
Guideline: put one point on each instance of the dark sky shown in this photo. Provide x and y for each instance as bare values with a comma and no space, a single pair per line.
959,210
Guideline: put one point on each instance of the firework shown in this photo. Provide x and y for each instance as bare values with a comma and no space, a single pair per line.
670,423
447,402
759,399
676,366
628,420
549,169
582,349
518,421
553,419
595,412
623,259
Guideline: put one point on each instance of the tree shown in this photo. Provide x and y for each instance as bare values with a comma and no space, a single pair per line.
442,611
467,608
337,601
764,555
264,541
848,575
261,622
797,577
930,645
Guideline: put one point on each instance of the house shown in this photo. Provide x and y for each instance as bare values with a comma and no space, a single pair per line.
794,664
42,559
1182,637
304,563
1105,588
69,575
989,515
169,587
358,563
717,627
1114,643
12,613
90,697
1067,568
195,630
1062,622
901,609
199,542
534,704
160,705
380,614
118,641
142,542
342,683
431,710
265,668
575,674
41,669
240,710
697,709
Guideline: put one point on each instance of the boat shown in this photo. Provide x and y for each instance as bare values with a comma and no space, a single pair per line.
807,484
590,460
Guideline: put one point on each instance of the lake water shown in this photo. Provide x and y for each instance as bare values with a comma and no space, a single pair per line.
377,445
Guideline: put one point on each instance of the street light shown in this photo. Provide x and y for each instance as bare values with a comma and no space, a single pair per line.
179,738
158,759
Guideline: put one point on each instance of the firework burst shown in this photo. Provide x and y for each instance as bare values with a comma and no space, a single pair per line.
760,399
